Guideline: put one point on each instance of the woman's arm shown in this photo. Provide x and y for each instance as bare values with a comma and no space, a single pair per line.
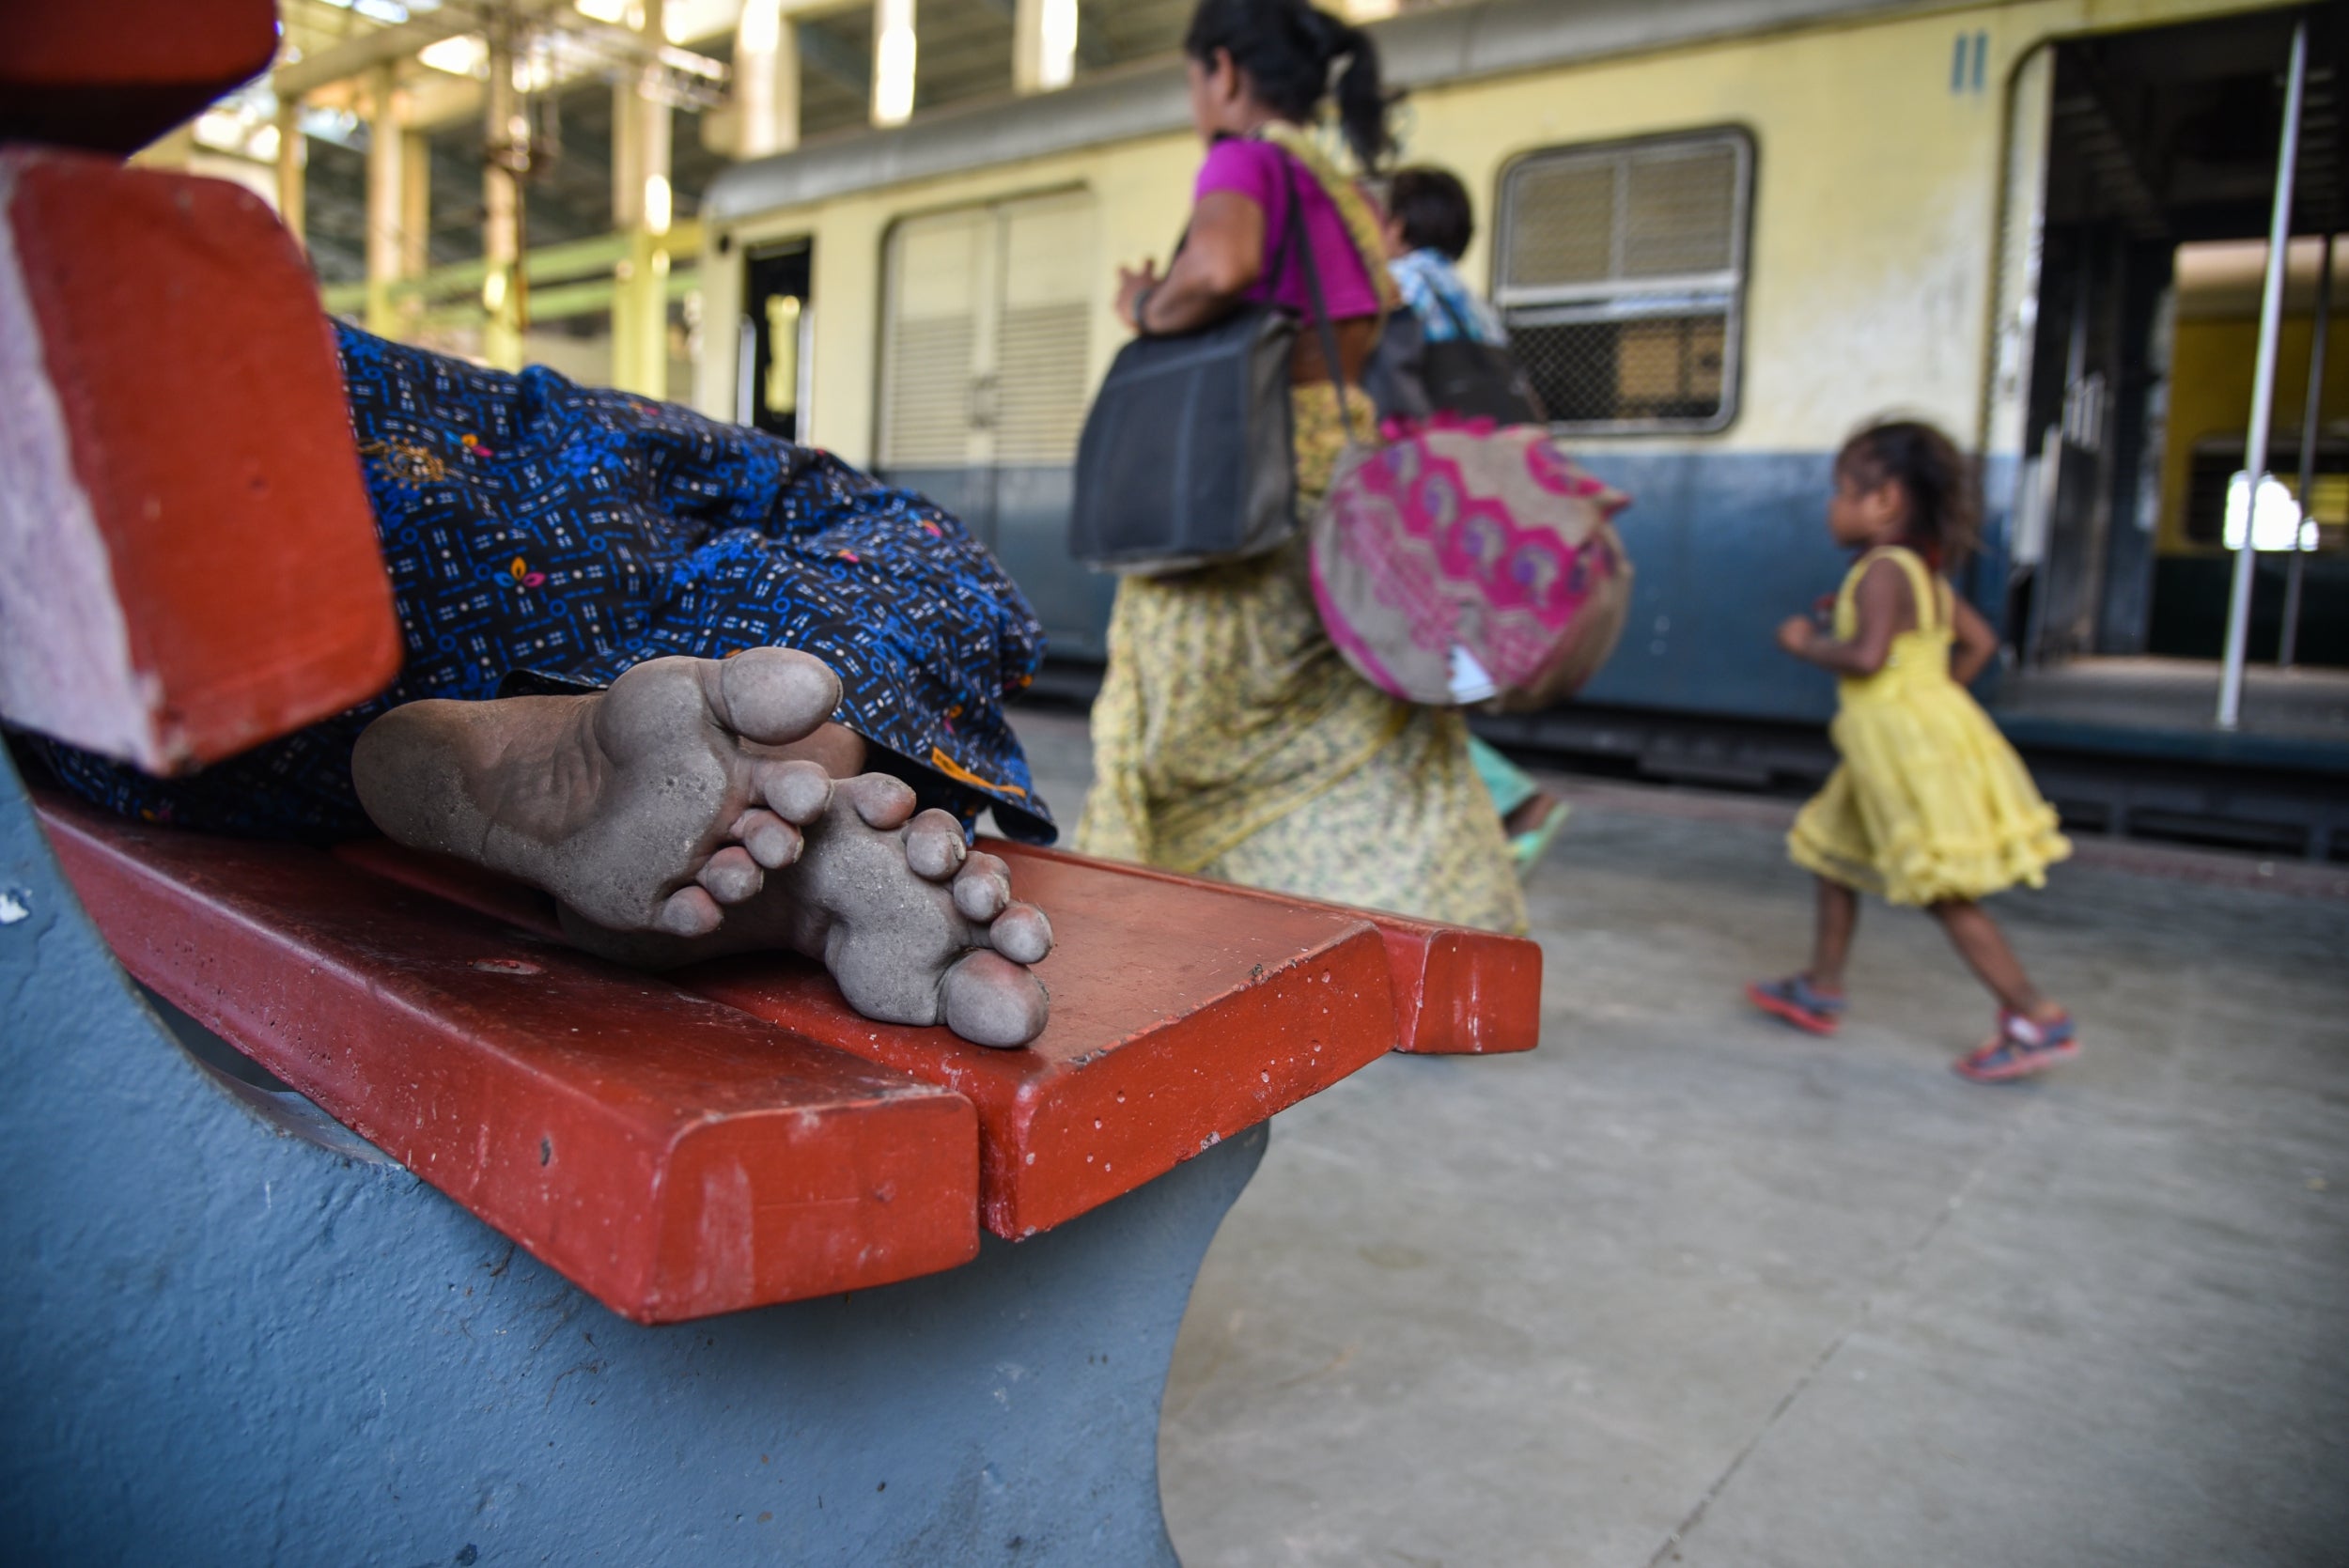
1886,609
1220,262
1974,644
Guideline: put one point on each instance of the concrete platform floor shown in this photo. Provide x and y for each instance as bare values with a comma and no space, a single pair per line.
1685,1286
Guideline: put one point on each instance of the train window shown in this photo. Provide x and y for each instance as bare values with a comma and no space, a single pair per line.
2214,495
985,336
1620,271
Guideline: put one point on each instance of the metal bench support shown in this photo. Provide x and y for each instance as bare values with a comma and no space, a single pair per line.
223,1341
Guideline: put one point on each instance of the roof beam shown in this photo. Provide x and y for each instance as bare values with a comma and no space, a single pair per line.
828,54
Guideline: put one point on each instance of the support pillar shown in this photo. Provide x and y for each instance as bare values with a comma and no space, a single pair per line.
765,81
1044,45
415,225
2263,385
640,211
386,163
293,160
2288,644
505,157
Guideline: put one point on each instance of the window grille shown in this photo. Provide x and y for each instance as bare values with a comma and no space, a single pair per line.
1620,271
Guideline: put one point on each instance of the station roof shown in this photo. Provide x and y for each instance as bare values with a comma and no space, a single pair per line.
2182,121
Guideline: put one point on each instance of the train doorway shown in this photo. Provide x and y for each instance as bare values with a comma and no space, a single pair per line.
2151,204
777,328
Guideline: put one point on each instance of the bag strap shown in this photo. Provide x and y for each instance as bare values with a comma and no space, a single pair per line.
1451,313
1292,238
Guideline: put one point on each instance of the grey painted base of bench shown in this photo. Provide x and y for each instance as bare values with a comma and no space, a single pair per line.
223,1343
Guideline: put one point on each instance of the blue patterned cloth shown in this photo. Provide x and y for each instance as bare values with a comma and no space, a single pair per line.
544,536
1444,302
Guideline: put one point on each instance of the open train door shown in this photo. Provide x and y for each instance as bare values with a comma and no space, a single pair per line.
2141,174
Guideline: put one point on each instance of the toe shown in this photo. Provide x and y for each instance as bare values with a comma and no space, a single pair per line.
773,841
799,791
1021,934
934,847
689,912
776,695
732,875
992,1001
883,802
983,887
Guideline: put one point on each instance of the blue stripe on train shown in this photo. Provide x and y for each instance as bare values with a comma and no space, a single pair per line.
1726,545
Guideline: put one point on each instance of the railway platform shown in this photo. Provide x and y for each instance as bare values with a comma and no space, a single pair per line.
1683,1286
2296,718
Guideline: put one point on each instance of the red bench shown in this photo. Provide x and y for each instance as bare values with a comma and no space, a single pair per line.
731,1134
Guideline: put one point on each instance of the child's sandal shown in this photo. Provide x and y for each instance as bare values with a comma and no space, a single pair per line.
1797,1001
2020,1049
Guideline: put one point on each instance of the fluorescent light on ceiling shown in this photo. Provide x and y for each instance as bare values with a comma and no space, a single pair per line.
467,54
892,62
1059,66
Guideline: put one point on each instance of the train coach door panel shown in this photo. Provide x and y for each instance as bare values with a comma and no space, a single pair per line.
777,331
2086,277
985,377
934,425
1040,387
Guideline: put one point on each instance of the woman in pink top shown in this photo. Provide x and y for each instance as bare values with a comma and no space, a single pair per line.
1230,738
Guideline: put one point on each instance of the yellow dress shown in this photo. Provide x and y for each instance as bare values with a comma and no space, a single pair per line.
1930,804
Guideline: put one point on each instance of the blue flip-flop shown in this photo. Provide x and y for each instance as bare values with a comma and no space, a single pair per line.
1796,1001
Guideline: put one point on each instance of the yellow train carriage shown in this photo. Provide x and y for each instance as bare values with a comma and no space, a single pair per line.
1723,234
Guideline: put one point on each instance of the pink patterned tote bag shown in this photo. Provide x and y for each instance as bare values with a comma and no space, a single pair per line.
1458,563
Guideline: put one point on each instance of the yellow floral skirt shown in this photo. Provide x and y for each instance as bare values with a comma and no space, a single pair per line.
1231,740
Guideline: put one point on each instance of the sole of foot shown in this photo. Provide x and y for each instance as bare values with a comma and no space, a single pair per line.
682,814
913,926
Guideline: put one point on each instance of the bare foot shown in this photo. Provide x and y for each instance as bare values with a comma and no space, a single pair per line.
660,812
1531,814
914,927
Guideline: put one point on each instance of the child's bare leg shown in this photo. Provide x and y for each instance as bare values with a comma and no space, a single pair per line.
1983,945
1839,915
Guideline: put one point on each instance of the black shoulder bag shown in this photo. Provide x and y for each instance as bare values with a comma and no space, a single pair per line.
1188,455
1411,377
1475,379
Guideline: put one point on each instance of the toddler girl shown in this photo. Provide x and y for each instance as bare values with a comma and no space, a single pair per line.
1929,806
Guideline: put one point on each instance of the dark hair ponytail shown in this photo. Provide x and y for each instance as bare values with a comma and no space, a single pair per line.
1287,49
1944,501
